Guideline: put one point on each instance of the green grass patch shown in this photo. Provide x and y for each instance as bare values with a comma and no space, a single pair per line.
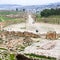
10,21
54,16
40,57
7,18
0,59
12,57
3,49
9,12
55,19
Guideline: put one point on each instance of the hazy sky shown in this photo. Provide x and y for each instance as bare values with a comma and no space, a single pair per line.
28,2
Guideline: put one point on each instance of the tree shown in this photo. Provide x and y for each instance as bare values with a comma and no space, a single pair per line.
16,9
23,10
49,12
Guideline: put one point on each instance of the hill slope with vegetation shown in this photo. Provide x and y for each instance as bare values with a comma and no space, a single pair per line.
49,16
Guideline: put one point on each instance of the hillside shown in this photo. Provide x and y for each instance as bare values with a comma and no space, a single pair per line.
40,7
54,19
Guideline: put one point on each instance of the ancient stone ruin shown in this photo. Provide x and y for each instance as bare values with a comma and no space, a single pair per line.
51,35
21,34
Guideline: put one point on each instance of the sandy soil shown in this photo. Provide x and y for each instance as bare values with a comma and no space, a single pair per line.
41,27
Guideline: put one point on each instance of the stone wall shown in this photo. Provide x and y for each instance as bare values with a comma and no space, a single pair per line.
21,34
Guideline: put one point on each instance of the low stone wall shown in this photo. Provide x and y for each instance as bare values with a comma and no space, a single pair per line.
52,35
21,34
29,34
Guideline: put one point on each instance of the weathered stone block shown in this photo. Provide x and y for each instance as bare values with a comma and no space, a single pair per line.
51,35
